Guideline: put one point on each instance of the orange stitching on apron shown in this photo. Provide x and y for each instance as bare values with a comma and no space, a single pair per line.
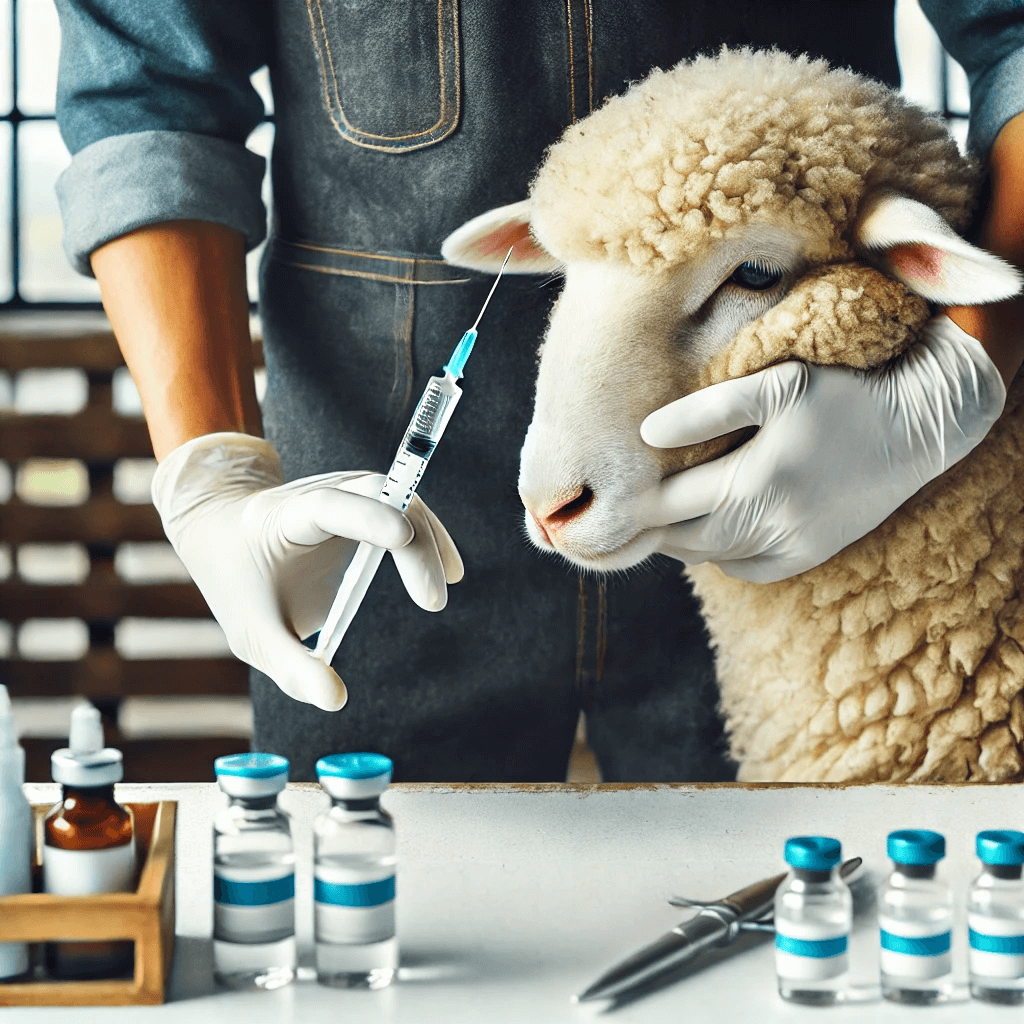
367,255
589,21
372,277
572,65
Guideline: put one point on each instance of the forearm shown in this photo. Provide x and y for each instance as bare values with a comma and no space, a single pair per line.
176,297
1000,326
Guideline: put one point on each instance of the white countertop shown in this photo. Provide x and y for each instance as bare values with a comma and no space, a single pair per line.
512,898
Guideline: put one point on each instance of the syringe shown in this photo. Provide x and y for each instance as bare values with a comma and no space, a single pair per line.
421,436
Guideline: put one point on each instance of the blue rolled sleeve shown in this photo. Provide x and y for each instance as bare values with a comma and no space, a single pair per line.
155,104
987,38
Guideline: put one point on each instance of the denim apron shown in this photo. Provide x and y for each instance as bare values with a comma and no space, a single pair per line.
396,122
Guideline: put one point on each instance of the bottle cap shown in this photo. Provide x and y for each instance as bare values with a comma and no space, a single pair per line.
915,846
1000,846
251,775
85,761
813,853
354,776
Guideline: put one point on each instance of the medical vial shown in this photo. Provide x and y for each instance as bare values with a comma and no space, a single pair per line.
354,875
995,919
915,917
813,918
88,844
253,875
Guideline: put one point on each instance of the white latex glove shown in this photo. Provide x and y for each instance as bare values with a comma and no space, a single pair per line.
838,451
268,556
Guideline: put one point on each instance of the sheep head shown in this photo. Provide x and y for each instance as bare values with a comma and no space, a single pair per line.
715,219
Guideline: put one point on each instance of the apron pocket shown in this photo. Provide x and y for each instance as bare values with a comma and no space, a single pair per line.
390,69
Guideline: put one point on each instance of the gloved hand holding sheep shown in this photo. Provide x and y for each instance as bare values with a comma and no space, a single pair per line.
838,450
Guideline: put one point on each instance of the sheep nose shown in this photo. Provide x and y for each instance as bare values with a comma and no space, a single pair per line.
563,511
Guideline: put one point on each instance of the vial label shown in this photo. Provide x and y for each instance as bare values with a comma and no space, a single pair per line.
912,949
806,951
82,872
250,908
996,947
351,911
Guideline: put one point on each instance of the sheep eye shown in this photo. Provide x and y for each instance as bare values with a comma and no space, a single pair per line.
755,276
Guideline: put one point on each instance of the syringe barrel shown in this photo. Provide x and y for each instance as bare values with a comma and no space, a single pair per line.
435,408
426,426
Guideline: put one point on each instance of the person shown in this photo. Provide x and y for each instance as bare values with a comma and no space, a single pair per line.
395,123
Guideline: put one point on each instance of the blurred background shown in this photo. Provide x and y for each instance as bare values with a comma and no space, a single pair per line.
93,601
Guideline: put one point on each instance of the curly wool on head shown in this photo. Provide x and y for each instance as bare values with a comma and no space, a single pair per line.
740,137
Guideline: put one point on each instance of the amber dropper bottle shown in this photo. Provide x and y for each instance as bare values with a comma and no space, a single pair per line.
88,843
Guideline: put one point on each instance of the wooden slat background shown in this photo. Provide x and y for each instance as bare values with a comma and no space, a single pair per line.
99,436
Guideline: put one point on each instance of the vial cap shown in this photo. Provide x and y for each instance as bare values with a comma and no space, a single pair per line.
354,776
252,766
1000,846
355,766
915,846
103,768
813,853
85,761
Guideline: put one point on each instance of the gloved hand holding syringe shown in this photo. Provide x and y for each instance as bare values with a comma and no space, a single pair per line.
421,436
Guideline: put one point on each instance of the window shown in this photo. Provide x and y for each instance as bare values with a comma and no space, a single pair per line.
34,272
931,78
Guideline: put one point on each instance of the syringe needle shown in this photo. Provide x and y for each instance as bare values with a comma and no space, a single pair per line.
455,365
491,292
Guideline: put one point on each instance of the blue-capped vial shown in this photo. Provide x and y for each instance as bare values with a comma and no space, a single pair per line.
995,919
253,875
915,921
354,874
813,918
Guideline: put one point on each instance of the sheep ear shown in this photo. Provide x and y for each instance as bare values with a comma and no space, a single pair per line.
916,246
481,244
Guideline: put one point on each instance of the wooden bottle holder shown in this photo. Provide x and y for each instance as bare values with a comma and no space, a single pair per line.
145,917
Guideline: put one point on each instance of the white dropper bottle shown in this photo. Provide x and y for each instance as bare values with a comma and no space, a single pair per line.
16,833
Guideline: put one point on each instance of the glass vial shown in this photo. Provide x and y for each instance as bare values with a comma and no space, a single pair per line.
88,843
813,918
915,917
995,919
354,875
253,875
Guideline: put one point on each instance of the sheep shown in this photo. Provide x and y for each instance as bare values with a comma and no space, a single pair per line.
902,657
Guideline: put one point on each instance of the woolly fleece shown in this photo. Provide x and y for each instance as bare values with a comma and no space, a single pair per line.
901,658
742,137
